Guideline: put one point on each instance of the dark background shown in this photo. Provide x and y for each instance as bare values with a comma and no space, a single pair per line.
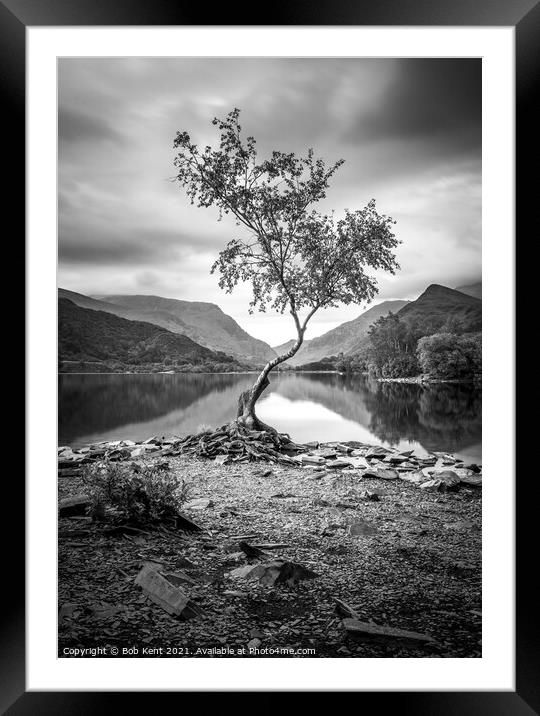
15,15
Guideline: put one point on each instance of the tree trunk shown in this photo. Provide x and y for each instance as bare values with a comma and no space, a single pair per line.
246,402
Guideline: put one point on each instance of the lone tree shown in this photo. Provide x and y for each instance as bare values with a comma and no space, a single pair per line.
296,258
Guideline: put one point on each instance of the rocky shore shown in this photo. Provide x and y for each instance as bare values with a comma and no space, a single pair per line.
427,380
341,550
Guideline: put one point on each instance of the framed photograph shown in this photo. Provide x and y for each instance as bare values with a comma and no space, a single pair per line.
270,352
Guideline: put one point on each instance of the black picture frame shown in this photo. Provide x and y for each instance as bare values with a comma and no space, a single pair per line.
15,17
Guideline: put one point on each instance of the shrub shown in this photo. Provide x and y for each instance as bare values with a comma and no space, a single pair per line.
450,356
140,493
400,365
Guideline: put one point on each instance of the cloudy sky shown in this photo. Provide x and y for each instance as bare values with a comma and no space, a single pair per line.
409,131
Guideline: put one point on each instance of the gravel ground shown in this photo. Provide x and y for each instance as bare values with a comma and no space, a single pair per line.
419,569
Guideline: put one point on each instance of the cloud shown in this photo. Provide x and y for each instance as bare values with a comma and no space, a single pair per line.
130,248
75,126
428,101
409,131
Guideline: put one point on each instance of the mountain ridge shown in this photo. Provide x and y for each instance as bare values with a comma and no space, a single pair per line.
437,304
284,347
203,322
207,326
346,338
471,289
98,336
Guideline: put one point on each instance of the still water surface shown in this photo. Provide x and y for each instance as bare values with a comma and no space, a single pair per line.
309,406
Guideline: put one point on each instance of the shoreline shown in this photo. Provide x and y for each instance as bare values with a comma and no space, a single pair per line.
422,380
415,380
360,455
255,371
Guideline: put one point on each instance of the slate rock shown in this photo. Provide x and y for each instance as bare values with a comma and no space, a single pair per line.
367,631
276,572
178,578
337,464
250,551
171,598
395,459
184,523
200,503
73,506
344,610
377,452
382,473
416,478
445,481
358,463
340,447
312,460
369,495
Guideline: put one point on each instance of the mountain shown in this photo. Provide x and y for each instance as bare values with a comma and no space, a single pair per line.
97,336
439,303
284,347
346,338
93,304
432,308
473,289
204,323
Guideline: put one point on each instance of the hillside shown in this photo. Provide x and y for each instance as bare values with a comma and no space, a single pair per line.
161,318
437,304
204,323
93,304
284,347
473,289
98,336
346,338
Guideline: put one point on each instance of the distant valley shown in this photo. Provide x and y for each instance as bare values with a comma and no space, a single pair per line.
346,338
432,309
137,330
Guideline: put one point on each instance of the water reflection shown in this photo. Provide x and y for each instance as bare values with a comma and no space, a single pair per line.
308,406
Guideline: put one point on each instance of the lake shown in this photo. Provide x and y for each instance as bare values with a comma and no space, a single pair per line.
308,406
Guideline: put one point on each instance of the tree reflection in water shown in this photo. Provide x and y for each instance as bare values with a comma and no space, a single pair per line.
434,414
437,416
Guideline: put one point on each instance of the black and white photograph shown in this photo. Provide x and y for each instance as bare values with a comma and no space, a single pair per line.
269,357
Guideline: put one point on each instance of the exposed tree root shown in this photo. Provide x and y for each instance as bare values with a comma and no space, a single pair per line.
237,443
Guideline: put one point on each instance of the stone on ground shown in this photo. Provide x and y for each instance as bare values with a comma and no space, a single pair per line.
73,506
275,572
382,473
200,503
171,598
368,631
445,481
